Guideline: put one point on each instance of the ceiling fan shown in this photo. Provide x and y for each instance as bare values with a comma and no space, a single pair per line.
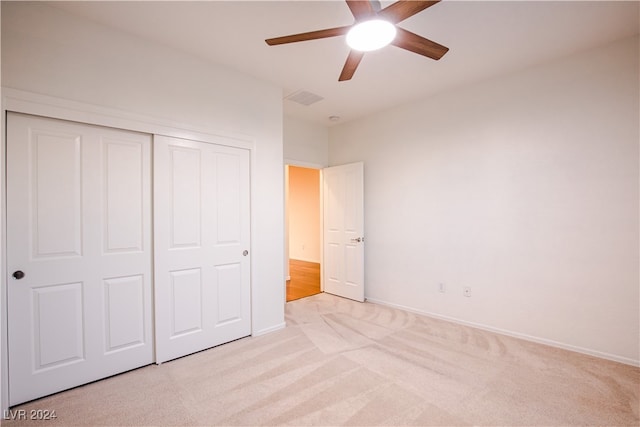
366,13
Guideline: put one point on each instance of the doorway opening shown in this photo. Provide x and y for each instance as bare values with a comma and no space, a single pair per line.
304,232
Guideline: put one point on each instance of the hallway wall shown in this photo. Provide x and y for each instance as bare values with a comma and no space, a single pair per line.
304,214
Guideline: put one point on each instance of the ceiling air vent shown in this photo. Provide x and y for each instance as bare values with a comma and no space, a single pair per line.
303,97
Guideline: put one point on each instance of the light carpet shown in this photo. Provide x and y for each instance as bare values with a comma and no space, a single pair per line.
340,362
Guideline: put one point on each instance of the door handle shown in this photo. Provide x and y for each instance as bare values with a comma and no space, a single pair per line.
357,240
18,274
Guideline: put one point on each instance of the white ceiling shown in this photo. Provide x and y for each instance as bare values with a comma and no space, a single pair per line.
486,39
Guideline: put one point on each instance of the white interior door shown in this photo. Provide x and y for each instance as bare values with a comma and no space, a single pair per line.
78,254
343,260
202,260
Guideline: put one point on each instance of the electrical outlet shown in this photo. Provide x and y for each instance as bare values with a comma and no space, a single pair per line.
441,288
466,291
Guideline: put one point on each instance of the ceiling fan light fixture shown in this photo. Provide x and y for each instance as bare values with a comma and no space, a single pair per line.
371,35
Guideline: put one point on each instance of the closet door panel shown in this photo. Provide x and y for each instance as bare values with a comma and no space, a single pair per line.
202,259
78,254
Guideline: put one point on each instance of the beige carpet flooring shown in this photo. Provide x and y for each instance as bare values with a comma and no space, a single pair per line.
344,363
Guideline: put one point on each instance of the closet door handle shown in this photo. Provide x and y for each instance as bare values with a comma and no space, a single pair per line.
18,274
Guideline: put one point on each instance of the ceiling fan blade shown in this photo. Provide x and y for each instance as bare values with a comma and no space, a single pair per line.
403,9
360,9
350,65
311,35
417,44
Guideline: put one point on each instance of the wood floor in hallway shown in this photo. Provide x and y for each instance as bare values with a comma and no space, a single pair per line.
305,279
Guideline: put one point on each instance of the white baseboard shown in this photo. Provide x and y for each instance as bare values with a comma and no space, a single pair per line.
269,330
595,353
315,261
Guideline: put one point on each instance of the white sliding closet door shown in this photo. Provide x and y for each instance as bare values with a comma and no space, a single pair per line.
78,254
202,238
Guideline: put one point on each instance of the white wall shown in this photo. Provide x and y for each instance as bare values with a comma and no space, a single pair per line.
305,144
47,51
524,188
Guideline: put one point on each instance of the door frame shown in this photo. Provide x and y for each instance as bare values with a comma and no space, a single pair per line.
58,108
319,167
